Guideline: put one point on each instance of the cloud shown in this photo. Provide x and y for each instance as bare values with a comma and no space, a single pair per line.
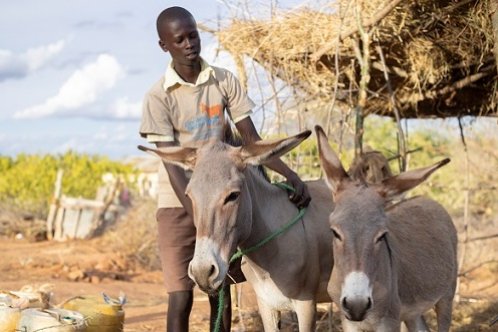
19,65
122,108
81,89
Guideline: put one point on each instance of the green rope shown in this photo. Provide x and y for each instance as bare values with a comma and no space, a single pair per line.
241,252
221,303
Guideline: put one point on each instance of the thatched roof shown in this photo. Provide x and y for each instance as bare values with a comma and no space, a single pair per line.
438,54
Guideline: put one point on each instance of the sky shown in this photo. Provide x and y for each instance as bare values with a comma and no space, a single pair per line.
73,73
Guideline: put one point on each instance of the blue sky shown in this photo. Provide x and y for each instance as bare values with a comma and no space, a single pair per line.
73,73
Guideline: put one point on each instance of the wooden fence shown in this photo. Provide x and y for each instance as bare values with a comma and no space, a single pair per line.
79,218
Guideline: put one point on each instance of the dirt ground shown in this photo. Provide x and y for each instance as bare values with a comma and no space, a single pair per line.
82,268
87,268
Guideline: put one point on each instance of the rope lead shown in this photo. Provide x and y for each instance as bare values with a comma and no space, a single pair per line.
241,252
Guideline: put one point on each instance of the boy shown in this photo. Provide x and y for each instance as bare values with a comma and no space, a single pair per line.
186,107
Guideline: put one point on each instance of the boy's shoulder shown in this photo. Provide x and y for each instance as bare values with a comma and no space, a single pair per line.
157,87
222,74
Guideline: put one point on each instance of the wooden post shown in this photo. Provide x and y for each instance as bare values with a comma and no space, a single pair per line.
401,135
54,205
466,222
363,56
99,216
493,11
58,220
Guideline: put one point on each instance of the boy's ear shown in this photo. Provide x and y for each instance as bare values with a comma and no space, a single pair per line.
162,45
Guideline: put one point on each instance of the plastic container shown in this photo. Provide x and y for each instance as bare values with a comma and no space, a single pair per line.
100,316
23,300
51,320
9,317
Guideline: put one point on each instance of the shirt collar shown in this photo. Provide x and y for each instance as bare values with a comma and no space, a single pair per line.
171,77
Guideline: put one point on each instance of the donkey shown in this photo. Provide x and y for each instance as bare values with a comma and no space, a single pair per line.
236,206
391,263
371,166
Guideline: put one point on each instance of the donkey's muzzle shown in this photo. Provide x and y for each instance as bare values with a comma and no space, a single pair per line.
356,308
206,274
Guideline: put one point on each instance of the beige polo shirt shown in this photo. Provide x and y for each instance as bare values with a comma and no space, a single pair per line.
190,114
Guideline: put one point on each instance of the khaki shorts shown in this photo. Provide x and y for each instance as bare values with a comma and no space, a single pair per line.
176,240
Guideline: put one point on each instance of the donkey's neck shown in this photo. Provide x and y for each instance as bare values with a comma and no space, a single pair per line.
271,208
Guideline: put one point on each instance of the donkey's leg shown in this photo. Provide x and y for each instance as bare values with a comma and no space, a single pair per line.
306,315
389,324
444,308
443,312
269,316
417,324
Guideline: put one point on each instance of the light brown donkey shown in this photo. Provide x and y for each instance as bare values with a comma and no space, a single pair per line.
391,264
235,206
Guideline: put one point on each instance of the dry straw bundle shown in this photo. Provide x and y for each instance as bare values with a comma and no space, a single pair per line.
437,55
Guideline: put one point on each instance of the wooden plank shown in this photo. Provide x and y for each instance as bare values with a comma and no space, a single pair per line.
55,204
58,236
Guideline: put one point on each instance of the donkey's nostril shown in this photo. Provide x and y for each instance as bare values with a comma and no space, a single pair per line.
345,304
213,273
369,303
212,270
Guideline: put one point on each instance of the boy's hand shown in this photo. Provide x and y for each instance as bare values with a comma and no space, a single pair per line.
300,197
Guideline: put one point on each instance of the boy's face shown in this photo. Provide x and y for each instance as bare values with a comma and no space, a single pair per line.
181,39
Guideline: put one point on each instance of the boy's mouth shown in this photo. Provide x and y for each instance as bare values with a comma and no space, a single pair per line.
192,55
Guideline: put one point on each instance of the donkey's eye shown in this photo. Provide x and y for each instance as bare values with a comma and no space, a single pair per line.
234,195
381,238
336,235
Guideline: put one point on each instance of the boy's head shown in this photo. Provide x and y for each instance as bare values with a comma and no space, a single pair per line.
178,35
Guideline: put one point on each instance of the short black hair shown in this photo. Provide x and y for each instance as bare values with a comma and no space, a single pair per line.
170,14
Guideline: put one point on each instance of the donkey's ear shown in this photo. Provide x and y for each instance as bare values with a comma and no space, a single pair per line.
405,181
331,165
183,157
261,152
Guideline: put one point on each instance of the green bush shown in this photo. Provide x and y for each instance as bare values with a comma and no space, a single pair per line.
27,181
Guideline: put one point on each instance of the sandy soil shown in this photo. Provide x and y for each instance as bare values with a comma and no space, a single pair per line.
78,268
85,268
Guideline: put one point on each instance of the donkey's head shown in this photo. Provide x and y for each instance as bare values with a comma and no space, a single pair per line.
221,201
362,270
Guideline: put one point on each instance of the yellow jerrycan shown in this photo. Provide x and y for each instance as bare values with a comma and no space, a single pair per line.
9,313
9,317
102,313
51,320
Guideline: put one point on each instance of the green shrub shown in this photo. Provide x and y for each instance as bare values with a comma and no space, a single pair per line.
27,181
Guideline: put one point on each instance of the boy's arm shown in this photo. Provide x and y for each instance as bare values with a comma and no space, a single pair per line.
301,196
178,180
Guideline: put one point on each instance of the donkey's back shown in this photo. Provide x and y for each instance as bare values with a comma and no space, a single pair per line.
426,241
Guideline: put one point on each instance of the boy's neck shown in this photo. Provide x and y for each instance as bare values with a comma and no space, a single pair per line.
188,73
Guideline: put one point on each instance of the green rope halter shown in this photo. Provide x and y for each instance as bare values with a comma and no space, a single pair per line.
241,252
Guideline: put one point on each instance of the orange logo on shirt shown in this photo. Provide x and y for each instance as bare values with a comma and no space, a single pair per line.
212,111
